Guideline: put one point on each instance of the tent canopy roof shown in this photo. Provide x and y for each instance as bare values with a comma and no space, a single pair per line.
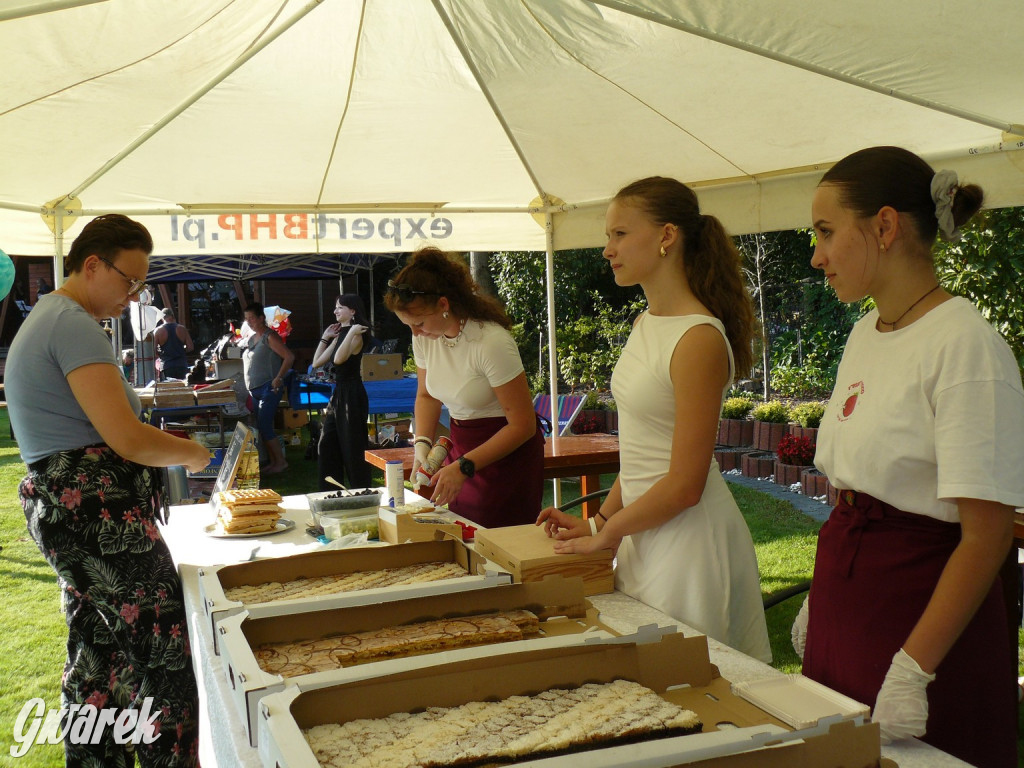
371,126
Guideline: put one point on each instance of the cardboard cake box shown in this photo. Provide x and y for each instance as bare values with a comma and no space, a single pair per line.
529,554
381,367
736,734
408,522
213,582
566,618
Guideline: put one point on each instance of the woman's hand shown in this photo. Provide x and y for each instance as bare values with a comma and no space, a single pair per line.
447,483
572,535
560,525
331,331
359,330
198,456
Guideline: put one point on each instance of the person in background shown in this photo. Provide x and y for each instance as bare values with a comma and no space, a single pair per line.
128,364
467,360
923,439
173,341
91,498
266,361
343,438
42,287
683,546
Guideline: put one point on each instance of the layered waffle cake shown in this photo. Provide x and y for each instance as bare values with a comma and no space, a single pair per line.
516,729
290,659
255,510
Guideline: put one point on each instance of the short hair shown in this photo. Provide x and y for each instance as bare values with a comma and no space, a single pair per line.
106,236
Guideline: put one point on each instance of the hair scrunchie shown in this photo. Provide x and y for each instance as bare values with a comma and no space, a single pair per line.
944,186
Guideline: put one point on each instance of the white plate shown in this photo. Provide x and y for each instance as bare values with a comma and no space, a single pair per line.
281,527
799,701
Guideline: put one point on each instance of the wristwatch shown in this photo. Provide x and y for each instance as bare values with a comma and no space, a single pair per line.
467,467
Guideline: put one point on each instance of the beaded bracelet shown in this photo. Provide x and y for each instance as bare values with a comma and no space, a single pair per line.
423,439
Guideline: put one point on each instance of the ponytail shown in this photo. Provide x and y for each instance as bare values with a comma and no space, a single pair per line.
713,270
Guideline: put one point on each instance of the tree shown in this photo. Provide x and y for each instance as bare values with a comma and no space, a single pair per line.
589,310
986,267
803,326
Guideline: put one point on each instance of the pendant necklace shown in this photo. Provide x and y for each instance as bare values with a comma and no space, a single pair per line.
892,325
452,342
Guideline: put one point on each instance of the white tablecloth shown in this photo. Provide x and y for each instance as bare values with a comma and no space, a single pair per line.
223,741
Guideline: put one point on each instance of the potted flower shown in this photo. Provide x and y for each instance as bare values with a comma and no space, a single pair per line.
591,417
795,454
771,422
734,428
808,417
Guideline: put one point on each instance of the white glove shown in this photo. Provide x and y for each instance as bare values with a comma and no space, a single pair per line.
420,448
902,705
798,635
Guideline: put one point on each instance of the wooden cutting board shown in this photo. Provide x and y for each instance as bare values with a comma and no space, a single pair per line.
529,554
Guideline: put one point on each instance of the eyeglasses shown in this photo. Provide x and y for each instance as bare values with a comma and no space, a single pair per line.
406,291
135,285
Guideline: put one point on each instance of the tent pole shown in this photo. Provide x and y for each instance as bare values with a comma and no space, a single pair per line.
549,268
58,247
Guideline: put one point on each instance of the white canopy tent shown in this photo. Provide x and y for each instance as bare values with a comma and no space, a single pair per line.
309,126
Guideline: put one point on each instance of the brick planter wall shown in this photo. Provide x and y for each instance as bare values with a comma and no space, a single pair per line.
757,464
811,433
816,484
736,432
767,435
789,474
729,457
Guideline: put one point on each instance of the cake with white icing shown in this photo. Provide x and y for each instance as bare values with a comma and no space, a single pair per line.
553,722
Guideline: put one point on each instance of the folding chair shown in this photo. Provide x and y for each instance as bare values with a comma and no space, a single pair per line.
569,407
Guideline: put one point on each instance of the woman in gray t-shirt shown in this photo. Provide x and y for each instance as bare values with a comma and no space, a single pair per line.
265,363
90,499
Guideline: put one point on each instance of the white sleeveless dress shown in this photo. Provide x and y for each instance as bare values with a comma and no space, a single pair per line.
699,567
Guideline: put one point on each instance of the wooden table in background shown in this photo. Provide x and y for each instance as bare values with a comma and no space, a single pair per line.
584,456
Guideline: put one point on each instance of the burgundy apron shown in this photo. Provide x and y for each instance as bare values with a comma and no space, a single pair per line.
874,573
507,492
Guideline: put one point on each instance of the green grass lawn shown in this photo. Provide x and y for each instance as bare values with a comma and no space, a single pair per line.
33,636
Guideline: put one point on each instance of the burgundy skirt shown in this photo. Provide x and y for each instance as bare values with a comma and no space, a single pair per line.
875,571
507,492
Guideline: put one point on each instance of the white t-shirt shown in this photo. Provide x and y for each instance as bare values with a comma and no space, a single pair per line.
927,414
464,376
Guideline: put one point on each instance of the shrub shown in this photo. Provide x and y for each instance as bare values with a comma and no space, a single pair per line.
795,450
737,407
808,415
773,412
807,380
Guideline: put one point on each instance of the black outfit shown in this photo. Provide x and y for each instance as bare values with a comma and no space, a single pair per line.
343,437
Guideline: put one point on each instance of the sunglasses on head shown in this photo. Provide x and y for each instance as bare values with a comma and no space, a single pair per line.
406,291
135,285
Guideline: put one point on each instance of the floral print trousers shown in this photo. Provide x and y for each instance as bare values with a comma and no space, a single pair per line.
93,516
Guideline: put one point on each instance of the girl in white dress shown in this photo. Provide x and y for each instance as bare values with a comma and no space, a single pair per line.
683,546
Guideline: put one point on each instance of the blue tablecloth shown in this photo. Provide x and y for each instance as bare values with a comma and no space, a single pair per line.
393,396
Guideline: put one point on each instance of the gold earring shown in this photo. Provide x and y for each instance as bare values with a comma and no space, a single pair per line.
663,254
881,247
445,314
